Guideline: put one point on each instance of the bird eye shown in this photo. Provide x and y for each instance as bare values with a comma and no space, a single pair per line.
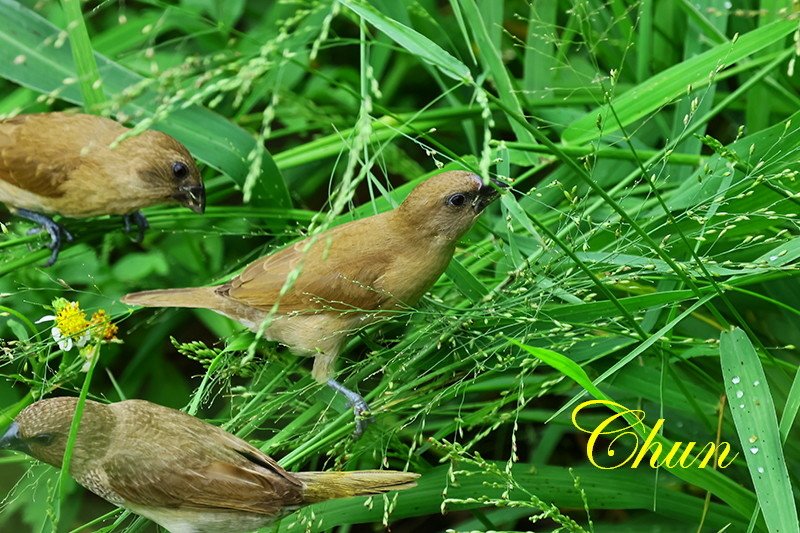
457,200
43,439
180,170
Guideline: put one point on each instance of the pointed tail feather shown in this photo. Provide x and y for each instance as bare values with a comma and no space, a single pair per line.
194,297
321,486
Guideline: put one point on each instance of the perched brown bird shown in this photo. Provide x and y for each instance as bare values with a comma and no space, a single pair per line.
178,471
312,295
63,164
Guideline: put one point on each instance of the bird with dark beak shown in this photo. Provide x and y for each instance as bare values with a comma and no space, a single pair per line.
71,165
180,472
312,295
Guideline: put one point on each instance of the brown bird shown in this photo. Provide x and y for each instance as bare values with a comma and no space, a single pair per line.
178,471
64,164
312,295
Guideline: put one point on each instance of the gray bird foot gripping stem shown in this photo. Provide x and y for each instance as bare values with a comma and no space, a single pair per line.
52,228
141,222
359,405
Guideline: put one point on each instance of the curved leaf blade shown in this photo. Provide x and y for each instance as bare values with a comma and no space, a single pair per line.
757,425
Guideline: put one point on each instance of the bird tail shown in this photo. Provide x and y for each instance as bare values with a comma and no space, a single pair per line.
321,486
194,297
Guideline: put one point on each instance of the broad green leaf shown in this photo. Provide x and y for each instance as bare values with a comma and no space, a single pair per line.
756,423
618,489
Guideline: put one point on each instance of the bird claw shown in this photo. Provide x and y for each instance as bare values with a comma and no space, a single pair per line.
356,401
141,223
363,418
55,230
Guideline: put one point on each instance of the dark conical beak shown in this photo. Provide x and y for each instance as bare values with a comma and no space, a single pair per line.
11,440
487,194
193,197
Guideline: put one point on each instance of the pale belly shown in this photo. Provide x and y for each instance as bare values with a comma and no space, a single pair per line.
196,521
86,203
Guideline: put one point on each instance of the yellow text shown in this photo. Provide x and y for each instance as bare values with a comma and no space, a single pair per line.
632,420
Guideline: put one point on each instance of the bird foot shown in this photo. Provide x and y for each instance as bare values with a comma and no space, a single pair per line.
141,223
357,402
56,232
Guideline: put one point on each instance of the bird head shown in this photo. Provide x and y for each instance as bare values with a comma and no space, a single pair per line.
446,205
41,430
168,167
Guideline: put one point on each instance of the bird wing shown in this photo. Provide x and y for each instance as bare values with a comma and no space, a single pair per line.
32,170
185,462
336,272
249,481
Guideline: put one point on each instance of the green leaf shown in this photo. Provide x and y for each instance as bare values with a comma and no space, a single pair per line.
469,285
617,489
791,407
17,329
134,267
417,44
492,61
83,54
756,423
663,88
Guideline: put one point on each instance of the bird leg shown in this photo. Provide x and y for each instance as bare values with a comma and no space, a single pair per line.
141,222
55,230
354,400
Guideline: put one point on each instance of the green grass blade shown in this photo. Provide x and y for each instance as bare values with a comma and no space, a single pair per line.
645,45
73,435
469,285
539,49
413,41
756,423
663,88
83,54
493,63
791,407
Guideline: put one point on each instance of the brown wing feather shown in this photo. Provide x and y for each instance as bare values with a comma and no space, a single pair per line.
25,168
199,466
216,485
36,155
330,275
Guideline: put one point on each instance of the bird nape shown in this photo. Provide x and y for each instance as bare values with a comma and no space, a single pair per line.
178,471
75,166
312,295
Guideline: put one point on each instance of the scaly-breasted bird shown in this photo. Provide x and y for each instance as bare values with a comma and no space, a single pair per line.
63,164
178,471
347,274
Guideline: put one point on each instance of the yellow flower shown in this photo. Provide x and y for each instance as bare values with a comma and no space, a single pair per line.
71,325
71,320
102,327
72,328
